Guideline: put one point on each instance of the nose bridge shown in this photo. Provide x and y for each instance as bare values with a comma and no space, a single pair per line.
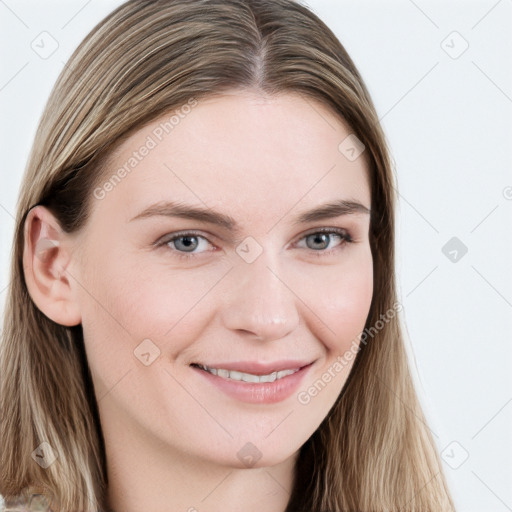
260,302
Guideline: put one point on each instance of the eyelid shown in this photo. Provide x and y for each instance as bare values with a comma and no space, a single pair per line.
346,238
169,237
325,229
343,232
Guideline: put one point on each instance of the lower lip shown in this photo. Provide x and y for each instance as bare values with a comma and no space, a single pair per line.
258,393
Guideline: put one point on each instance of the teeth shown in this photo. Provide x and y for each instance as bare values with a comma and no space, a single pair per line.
248,377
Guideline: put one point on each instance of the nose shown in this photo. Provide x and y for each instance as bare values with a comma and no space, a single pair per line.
260,304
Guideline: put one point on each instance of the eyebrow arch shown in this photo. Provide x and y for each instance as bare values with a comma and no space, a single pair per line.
332,210
181,210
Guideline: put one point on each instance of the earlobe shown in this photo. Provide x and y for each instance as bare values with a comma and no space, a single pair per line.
46,256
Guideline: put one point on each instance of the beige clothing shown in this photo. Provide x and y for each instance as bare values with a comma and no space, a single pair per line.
34,503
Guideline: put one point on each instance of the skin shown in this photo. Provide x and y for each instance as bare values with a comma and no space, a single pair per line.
171,439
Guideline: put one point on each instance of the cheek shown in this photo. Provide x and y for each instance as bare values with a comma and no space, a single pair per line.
342,301
340,305
126,301
129,301
142,301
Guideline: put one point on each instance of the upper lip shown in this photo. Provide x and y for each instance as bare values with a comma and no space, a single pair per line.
257,368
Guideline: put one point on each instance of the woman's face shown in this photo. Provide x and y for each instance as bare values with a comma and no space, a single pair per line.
250,284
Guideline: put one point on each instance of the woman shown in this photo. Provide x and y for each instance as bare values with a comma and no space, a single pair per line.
202,312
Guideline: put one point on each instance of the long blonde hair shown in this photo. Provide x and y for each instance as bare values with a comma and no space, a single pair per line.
374,451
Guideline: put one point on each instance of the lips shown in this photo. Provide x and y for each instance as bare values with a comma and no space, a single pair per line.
265,389
255,367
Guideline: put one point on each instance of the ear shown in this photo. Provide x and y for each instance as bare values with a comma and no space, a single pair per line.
46,255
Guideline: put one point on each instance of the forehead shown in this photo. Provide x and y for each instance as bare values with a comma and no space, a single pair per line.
249,153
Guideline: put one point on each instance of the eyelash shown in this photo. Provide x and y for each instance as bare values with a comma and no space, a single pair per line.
342,233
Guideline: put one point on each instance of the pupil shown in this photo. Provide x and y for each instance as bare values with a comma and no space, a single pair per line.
188,241
321,238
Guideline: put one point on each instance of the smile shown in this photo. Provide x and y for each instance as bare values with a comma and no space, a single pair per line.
247,377
270,383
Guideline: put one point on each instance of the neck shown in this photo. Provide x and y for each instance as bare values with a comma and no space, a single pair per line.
146,475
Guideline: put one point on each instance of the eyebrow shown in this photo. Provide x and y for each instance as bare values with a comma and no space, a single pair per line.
181,210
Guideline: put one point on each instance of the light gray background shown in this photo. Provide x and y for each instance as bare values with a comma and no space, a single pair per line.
447,114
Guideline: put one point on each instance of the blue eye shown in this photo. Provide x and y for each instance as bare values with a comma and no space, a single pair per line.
184,244
323,238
